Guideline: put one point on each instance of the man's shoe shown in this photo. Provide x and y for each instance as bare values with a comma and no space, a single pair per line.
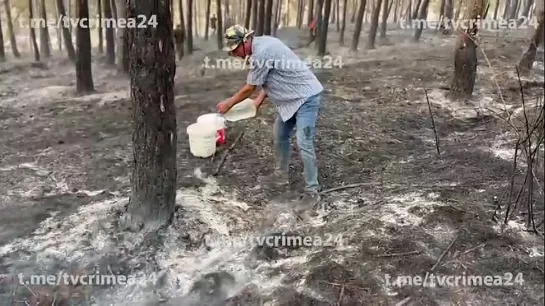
307,201
277,178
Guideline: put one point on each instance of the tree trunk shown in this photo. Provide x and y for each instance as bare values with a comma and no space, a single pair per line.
277,12
449,12
110,35
268,17
496,9
154,139
189,36
319,20
67,37
248,14
299,17
465,54
122,39
343,24
207,21
333,18
182,17
527,61
33,32
260,18
99,27
310,15
59,30
513,10
11,33
416,10
374,24
353,18
396,8
44,32
338,11
114,9
359,22
255,12
422,15
322,39
384,23
2,51
219,25
70,15
84,76
526,9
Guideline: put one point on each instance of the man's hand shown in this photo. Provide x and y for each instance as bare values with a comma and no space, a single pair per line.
224,106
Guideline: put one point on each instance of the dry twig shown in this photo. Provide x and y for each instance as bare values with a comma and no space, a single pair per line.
433,124
404,301
399,254
237,140
345,187
443,254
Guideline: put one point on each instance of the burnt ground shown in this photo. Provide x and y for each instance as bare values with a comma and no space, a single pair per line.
65,164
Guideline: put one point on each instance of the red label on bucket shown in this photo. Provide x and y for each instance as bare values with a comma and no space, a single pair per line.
221,137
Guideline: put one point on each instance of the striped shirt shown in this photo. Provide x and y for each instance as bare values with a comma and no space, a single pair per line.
286,79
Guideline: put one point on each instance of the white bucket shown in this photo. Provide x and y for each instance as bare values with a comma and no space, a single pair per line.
213,119
202,139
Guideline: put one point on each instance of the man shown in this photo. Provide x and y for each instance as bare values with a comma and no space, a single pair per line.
213,20
295,91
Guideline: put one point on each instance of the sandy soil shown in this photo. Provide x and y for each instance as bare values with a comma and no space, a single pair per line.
65,162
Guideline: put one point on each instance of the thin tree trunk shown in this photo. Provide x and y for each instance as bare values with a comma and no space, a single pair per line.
338,15
465,54
44,32
374,25
189,35
359,22
122,40
319,21
310,15
422,15
416,9
449,12
2,51
67,37
322,39
114,9
396,7
99,28
333,18
248,14
260,18
343,24
277,12
268,17
219,25
496,9
207,21
33,32
514,10
255,12
59,30
110,35
384,23
70,15
84,76
154,138
527,61
353,18
526,9
299,17
11,33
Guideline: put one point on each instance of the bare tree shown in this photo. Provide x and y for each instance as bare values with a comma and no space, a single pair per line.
190,17
422,15
219,26
207,21
449,14
384,24
343,24
359,22
465,54
248,14
154,139
2,51
260,26
99,28
11,33
122,39
374,24
324,27
33,31
67,37
84,76
527,61
268,17
110,35
44,32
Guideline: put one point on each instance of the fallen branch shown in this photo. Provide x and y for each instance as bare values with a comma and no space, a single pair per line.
341,294
474,248
433,124
443,254
404,301
237,140
345,187
399,254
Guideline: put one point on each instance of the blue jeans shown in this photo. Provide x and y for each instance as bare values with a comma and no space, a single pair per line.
304,122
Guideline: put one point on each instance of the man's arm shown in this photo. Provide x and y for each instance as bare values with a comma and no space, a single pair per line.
260,98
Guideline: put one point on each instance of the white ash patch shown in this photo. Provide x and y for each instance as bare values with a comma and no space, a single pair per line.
397,209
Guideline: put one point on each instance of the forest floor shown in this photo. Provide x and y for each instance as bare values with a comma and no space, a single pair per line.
64,176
